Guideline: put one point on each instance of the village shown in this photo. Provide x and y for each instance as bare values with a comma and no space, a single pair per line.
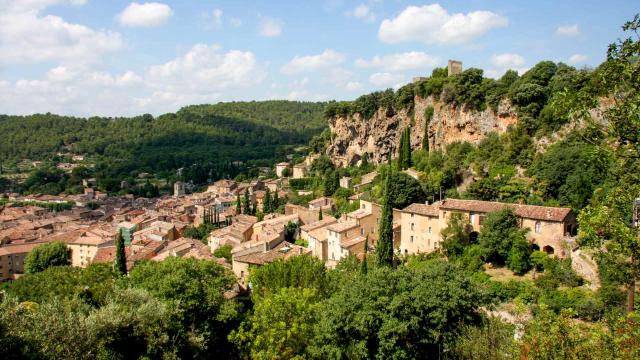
154,229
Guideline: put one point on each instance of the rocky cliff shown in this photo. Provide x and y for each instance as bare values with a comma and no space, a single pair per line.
353,136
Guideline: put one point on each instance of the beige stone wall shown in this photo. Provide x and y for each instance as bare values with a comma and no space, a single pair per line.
549,233
81,254
241,270
368,225
11,265
420,233
299,172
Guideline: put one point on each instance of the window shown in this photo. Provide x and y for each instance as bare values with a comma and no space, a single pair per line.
429,229
538,227
472,217
411,226
411,238
411,214
361,231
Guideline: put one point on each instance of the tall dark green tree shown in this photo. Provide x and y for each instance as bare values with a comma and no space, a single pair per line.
275,204
120,263
401,152
428,115
320,214
407,148
238,204
267,205
331,183
364,269
384,248
246,203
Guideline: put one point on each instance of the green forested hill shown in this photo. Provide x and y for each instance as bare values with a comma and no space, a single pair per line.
204,139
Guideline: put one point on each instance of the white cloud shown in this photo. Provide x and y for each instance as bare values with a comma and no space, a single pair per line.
400,62
217,18
568,30
326,59
433,24
353,86
386,79
204,74
145,15
270,27
507,61
235,22
503,62
27,36
577,59
363,12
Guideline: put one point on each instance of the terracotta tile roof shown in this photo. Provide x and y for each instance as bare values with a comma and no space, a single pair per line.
18,249
321,201
319,234
422,209
185,247
105,255
352,242
326,221
343,226
546,213
284,250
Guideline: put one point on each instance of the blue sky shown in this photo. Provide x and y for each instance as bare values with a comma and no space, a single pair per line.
115,58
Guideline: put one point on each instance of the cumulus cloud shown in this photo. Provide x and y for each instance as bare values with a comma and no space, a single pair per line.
386,79
204,74
363,12
507,61
400,62
568,30
27,36
432,24
577,59
216,17
145,15
353,86
270,27
326,59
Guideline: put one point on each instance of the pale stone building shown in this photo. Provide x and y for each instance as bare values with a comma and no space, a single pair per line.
299,171
420,226
280,168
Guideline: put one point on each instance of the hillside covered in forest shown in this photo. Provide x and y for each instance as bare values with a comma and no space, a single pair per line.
205,140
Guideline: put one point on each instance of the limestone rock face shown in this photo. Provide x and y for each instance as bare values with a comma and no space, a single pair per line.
353,136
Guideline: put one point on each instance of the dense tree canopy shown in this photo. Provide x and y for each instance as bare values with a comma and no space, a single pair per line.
45,256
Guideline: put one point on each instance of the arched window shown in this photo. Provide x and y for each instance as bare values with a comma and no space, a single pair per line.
538,227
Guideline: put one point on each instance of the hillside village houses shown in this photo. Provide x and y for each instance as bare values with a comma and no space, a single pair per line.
153,228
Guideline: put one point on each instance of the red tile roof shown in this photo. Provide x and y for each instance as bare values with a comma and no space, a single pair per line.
422,209
546,213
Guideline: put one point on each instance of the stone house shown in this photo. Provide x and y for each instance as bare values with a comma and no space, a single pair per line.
280,168
420,229
12,259
242,264
299,171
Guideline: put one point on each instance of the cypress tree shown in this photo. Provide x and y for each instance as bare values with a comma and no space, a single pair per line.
320,214
364,268
238,207
384,249
120,263
407,148
401,152
267,205
275,204
246,203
